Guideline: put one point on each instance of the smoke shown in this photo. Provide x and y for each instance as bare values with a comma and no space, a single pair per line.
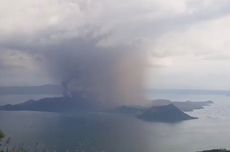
88,47
88,70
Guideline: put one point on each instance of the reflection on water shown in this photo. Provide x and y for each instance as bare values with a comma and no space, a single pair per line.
89,132
116,133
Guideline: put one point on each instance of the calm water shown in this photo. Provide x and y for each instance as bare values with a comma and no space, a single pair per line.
106,132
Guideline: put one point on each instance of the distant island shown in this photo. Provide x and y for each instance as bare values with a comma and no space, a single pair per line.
57,89
160,111
185,106
190,91
191,105
43,89
52,104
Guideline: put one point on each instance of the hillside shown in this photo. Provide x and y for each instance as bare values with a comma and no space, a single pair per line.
57,104
166,113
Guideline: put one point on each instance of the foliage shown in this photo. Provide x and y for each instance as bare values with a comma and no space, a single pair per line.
2,135
216,150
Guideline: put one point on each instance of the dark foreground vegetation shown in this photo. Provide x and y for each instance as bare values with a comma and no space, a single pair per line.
1,135
216,150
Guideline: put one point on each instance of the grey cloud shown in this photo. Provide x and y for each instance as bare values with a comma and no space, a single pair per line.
94,36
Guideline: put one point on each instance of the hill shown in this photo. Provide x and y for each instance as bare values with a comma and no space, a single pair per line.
57,104
161,113
43,89
166,113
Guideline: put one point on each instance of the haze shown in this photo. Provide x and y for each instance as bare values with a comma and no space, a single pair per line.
182,38
114,75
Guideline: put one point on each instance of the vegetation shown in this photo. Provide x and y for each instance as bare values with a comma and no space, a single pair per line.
216,150
1,135
4,145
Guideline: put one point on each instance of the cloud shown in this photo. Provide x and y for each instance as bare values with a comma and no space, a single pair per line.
205,39
46,21
77,52
164,28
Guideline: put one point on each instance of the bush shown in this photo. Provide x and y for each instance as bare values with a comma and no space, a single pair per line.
2,135
216,150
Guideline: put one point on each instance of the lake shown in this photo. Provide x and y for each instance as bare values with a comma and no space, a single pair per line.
102,132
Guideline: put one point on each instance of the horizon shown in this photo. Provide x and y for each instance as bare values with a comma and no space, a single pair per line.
184,44
191,89
85,75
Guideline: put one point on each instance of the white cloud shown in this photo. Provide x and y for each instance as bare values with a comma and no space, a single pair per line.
205,39
199,56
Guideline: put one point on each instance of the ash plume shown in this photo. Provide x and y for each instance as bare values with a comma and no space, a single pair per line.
87,46
103,75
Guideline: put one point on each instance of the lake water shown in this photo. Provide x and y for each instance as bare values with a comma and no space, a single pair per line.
116,133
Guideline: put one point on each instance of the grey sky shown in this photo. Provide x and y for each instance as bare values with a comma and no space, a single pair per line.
187,41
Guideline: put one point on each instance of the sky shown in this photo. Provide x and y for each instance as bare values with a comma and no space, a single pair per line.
186,42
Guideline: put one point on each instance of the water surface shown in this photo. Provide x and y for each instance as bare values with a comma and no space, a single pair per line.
117,133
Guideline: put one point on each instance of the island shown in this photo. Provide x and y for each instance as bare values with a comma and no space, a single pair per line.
165,113
52,104
159,111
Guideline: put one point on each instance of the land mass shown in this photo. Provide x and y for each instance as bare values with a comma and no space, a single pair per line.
190,91
192,105
52,104
185,106
43,89
166,113
160,110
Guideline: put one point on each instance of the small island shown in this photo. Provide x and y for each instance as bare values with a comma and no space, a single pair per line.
167,113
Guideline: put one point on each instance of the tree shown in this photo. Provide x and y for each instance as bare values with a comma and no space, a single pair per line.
2,135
